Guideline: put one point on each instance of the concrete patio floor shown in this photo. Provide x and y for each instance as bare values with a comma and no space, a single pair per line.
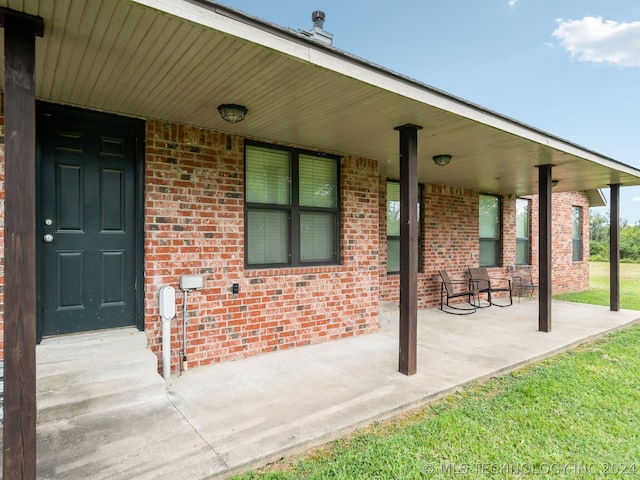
218,420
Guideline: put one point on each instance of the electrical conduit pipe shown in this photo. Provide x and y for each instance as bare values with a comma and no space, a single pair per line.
167,304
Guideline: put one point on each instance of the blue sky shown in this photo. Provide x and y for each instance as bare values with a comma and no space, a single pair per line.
568,67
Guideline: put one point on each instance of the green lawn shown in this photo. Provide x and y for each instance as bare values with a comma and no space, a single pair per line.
598,294
576,415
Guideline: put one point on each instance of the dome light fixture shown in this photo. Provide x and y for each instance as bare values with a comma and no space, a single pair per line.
232,113
442,160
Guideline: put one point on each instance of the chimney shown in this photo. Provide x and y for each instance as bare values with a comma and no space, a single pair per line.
317,18
317,32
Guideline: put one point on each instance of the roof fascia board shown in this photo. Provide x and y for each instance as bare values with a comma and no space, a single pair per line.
229,21
236,23
596,198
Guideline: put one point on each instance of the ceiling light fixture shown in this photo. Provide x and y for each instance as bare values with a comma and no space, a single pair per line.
232,113
442,160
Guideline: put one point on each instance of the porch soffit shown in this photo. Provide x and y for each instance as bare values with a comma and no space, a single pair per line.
177,60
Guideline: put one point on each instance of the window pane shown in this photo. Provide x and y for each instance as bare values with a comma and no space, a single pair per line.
522,218
522,231
268,176
317,237
267,237
318,181
489,216
393,228
393,209
488,253
522,251
576,234
577,251
577,223
393,255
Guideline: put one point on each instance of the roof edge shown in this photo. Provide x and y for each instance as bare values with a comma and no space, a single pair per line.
596,198
466,108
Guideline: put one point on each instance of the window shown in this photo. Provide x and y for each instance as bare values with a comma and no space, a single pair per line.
576,234
393,228
291,202
523,229
489,230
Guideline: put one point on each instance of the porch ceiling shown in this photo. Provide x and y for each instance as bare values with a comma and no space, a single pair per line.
177,60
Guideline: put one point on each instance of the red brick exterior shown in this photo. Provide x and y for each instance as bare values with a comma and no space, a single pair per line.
194,224
451,240
569,276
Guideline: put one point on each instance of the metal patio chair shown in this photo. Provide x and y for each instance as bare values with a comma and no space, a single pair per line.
523,283
451,289
484,283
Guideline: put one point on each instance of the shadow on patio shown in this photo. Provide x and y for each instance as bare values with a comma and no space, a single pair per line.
257,410
225,418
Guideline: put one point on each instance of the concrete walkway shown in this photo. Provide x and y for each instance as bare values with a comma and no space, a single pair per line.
222,419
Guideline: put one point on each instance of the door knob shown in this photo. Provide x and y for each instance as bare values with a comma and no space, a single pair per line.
48,238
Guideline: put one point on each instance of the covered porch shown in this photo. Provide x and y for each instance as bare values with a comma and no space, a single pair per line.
112,59
221,419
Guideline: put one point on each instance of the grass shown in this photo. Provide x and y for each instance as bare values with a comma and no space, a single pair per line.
576,415
598,293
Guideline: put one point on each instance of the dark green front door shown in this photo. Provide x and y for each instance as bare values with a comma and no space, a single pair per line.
86,221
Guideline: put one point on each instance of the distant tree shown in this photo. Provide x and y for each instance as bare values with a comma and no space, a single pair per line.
630,243
599,230
599,251
599,227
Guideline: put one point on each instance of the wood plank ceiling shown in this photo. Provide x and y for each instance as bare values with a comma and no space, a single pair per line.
121,57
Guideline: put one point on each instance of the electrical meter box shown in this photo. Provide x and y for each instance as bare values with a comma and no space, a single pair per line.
191,282
167,302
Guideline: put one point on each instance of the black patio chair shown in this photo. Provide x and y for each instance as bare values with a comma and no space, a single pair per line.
451,289
483,283
523,283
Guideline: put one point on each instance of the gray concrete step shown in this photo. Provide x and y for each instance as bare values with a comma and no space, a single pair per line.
95,372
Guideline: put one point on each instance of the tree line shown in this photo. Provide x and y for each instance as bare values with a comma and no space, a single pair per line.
599,228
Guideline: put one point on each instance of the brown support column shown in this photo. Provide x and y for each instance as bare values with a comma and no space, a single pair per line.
544,242
614,249
408,248
19,430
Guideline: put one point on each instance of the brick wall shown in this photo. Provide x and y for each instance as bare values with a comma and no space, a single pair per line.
449,235
569,276
450,240
194,224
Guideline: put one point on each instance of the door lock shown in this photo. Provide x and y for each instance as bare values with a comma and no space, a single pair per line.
48,238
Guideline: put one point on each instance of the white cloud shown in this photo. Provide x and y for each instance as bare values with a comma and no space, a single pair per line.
636,199
593,39
512,3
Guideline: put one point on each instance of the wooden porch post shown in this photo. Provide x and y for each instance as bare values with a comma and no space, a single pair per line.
19,431
614,249
408,248
544,246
